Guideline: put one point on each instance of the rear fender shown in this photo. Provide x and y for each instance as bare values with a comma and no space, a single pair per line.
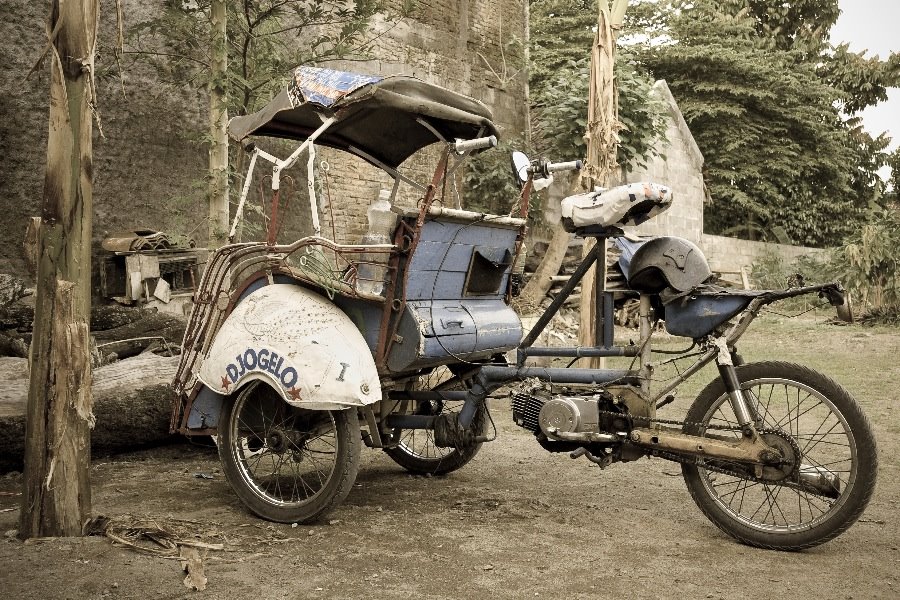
297,342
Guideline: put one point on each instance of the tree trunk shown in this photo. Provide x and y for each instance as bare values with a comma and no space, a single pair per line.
539,284
132,403
56,497
125,330
218,122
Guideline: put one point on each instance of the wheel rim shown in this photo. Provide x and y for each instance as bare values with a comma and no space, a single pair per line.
285,455
826,443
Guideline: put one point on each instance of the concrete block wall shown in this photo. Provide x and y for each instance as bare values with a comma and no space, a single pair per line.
726,254
681,170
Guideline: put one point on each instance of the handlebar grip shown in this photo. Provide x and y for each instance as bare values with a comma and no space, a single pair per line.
476,144
572,165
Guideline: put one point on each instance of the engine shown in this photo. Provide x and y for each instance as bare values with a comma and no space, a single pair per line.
592,426
560,414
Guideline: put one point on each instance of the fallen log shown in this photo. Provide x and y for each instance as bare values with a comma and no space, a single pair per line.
126,331
132,405
104,317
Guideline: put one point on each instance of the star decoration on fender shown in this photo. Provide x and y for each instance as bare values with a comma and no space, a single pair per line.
294,393
225,383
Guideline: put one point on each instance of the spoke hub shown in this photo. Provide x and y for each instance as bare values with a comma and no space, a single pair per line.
786,463
280,440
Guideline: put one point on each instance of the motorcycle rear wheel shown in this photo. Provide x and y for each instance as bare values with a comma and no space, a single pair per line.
416,451
834,438
287,464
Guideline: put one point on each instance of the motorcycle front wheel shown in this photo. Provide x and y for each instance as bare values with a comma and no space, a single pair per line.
287,464
416,451
823,487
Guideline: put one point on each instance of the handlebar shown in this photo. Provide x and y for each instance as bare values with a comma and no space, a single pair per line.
542,169
572,165
477,144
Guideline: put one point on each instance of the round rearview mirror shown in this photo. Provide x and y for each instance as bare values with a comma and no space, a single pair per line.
520,164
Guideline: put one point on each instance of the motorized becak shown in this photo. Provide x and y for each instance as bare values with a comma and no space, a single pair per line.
297,353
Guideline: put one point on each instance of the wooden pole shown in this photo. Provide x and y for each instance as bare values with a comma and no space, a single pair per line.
56,497
602,141
218,122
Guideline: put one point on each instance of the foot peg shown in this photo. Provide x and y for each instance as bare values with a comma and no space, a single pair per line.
601,461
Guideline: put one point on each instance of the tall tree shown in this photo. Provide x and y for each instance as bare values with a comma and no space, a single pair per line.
751,78
56,498
562,34
218,123
265,40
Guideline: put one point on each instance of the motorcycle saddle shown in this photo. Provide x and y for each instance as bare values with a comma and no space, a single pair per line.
604,212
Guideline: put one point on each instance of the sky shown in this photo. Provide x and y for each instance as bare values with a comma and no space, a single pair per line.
873,25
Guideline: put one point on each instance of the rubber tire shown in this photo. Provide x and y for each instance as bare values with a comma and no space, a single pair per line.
348,442
456,459
867,460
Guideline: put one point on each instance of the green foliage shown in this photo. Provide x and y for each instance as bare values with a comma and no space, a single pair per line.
771,272
869,261
893,161
861,81
747,76
489,181
561,39
793,24
266,39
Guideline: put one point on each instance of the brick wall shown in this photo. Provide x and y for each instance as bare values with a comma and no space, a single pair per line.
150,164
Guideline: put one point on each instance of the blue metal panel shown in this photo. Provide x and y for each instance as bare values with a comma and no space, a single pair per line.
448,346
443,317
467,233
435,285
697,316
205,409
498,326
443,256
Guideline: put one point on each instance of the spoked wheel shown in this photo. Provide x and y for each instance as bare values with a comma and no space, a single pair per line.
827,474
287,464
417,451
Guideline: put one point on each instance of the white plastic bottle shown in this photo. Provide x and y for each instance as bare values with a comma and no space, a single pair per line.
372,272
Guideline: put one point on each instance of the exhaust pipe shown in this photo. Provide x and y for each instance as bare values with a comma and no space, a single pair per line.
820,480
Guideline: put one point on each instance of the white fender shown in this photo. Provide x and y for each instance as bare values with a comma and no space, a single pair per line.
299,343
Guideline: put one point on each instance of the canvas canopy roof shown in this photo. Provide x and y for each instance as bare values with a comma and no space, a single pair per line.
376,116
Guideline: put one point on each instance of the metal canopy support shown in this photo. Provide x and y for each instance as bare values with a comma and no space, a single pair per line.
390,171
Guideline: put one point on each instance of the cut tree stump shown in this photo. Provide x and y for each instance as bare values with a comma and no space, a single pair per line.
132,405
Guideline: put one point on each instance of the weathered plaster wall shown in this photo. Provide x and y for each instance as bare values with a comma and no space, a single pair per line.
144,166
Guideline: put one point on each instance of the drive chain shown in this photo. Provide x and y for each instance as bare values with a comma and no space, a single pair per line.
693,460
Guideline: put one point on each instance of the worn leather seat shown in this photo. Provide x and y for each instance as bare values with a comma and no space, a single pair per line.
603,212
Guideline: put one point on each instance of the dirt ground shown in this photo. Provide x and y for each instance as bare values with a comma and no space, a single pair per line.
517,522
